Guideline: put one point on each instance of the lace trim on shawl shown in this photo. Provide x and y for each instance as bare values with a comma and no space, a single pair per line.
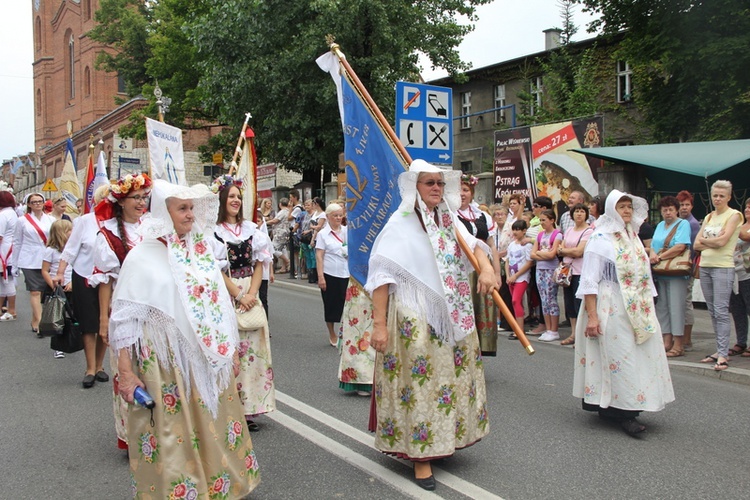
172,348
414,294
596,268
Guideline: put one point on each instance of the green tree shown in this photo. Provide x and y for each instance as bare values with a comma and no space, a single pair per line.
151,46
690,63
259,56
570,83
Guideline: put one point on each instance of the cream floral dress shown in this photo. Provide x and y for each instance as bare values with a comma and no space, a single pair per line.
357,363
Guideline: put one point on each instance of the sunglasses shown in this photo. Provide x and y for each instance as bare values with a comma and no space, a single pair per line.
432,182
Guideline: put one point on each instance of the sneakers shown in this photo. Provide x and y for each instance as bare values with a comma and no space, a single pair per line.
549,336
58,354
7,317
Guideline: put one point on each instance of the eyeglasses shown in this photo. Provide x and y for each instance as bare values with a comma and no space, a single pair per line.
432,182
140,198
37,202
536,205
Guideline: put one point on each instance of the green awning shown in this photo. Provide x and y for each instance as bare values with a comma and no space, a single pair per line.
703,159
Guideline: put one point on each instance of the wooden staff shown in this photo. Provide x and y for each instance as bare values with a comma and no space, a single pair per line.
397,143
238,148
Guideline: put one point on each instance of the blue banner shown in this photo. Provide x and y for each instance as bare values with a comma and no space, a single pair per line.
70,150
373,165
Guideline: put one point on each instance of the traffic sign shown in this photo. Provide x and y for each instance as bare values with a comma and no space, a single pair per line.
49,186
132,161
218,159
424,121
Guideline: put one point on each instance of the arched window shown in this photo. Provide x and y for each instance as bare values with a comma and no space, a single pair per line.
71,73
38,33
38,103
86,82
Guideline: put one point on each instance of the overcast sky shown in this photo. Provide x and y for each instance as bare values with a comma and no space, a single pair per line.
506,29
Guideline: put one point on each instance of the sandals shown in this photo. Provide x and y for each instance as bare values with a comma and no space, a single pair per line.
674,353
737,350
720,366
569,341
710,358
745,354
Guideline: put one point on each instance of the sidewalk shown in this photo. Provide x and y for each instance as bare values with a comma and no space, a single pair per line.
704,341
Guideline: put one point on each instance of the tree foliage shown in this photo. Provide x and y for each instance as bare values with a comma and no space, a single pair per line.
220,59
571,87
259,57
690,63
151,47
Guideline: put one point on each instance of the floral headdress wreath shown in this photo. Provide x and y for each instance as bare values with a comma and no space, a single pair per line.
124,185
4,186
119,190
224,181
469,179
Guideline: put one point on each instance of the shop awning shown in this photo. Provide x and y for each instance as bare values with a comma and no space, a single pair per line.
703,159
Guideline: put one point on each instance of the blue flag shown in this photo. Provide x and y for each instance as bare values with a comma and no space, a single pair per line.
373,165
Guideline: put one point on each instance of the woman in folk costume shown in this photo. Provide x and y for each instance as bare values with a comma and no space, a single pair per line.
483,227
119,216
430,396
246,249
174,333
620,364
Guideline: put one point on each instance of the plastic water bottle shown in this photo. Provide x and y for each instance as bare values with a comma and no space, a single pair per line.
143,398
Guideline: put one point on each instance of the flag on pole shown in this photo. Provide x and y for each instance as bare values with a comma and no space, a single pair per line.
248,174
373,165
70,188
165,152
99,179
16,166
88,184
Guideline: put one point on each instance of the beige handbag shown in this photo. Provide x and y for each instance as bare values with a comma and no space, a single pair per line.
679,265
255,318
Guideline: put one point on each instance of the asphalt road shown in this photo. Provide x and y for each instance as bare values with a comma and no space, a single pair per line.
57,440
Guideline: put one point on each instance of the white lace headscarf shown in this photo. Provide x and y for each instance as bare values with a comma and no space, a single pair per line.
611,222
158,223
407,185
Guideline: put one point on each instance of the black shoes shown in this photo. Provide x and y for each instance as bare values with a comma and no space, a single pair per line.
632,427
252,426
88,381
427,483
102,376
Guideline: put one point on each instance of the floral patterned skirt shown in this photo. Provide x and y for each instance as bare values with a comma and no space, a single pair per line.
255,381
430,398
485,313
179,450
357,363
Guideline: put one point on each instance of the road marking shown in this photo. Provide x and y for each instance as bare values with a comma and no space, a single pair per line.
400,483
454,482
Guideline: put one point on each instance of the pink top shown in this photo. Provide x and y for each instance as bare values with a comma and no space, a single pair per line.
571,240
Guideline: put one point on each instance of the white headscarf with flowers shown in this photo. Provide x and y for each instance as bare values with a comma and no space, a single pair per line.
616,249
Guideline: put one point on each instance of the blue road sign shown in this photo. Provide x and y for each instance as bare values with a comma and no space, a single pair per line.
424,121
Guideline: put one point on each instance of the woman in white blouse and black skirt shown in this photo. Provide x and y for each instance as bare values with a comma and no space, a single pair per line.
331,253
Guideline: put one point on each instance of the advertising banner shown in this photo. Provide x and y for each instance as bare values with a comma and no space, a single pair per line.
538,161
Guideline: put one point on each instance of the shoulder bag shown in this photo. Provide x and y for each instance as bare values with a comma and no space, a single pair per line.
255,318
563,272
680,265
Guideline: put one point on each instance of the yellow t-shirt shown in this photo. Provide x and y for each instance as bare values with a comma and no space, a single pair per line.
724,256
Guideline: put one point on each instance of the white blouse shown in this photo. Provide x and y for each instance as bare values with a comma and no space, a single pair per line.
106,263
79,250
336,250
28,246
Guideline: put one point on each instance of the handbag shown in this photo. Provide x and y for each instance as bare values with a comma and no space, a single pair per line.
306,238
254,318
53,313
679,265
70,340
562,274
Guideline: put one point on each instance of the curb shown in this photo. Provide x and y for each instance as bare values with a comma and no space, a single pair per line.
735,375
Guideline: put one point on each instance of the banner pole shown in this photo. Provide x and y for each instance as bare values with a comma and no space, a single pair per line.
336,49
238,148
